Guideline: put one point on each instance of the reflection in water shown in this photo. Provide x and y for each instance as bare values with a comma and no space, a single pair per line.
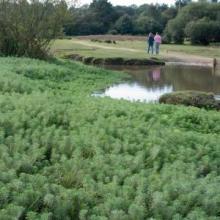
149,83
156,74
136,92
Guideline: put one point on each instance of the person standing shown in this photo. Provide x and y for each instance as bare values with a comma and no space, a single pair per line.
158,42
150,43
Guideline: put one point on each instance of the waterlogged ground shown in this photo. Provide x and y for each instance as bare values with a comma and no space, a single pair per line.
67,155
149,83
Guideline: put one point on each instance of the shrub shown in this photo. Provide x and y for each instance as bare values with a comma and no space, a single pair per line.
199,21
27,27
191,98
113,32
203,31
174,31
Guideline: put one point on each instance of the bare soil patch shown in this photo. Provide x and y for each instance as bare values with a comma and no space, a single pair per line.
112,37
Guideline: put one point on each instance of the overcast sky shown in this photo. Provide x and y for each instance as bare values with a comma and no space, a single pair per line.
132,2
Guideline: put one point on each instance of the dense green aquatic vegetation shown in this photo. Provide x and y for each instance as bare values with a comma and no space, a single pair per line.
65,155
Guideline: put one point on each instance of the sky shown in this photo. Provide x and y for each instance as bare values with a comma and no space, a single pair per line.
132,2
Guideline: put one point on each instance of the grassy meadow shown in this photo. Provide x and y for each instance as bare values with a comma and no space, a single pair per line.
93,49
131,48
67,155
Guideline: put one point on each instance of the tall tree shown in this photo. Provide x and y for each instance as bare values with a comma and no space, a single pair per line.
202,17
124,25
103,12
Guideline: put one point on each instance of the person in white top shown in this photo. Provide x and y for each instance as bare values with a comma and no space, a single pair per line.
158,41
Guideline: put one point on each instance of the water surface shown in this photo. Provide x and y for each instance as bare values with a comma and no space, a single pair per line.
149,83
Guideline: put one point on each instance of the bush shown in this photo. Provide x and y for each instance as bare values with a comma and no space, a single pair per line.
27,27
199,21
113,32
191,98
203,31
166,39
174,31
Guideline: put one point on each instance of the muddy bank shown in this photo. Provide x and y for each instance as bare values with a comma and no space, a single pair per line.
114,61
191,98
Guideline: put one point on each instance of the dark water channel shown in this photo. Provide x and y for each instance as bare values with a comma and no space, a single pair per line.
149,83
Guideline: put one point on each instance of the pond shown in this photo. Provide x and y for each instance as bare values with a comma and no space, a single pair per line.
149,83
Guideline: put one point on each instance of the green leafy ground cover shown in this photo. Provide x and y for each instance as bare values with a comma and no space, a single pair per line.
67,155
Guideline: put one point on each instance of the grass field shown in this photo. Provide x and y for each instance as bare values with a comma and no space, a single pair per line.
129,49
67,155
88,48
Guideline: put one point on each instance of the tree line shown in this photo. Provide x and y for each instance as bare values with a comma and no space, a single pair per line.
198,22
100,17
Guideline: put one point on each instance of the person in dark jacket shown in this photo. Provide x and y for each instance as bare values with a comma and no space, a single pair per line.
150,43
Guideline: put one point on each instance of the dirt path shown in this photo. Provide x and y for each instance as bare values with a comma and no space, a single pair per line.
107,47
169,56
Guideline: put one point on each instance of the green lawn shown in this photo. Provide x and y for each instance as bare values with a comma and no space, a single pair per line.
206,51
65,154
61,47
